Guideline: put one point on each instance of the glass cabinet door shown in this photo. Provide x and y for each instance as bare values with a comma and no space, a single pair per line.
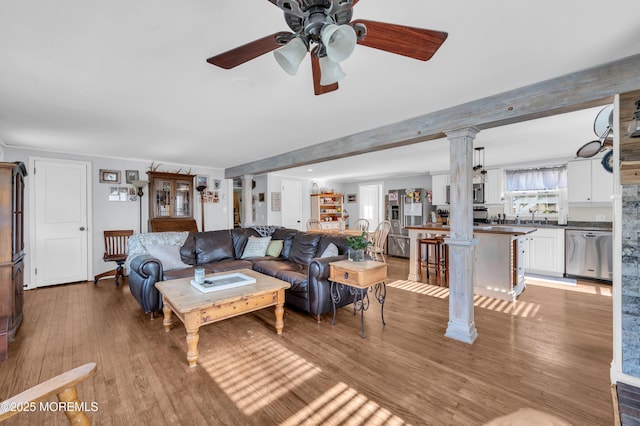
162,193
171,195
183,200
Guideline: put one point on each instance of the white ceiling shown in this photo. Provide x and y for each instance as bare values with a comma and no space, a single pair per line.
130,79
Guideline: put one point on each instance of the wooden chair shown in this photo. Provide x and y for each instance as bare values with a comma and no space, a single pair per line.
379,240
313,224
64,386
115,246
361,225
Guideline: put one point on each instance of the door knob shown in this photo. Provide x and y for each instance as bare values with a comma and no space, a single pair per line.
82,228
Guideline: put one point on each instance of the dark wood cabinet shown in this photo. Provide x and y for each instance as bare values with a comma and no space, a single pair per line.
170,199
11,251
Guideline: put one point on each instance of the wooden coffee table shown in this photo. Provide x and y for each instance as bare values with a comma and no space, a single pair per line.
195,308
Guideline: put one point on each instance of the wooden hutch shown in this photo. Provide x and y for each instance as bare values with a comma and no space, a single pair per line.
328,208
11,251
171,202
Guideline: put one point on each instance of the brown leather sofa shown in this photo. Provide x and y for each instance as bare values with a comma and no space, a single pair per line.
299,264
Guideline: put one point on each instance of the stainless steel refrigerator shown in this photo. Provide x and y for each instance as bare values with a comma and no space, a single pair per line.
405,207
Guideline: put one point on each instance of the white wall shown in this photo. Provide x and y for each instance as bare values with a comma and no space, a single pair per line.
122,215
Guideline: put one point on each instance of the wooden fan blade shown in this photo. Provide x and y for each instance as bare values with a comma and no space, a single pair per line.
319,89
234,57
416,43
354,2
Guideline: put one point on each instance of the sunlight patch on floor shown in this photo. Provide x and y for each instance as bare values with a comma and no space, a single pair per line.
342,405
416,287
519,308
257,373
254,375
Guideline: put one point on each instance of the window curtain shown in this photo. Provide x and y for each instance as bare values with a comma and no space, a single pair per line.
537,179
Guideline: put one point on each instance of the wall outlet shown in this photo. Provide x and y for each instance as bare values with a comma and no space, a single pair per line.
600,218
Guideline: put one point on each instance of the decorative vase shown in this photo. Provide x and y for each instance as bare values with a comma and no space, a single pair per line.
356,255
314,188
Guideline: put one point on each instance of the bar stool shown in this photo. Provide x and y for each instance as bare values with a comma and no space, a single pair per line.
432,241
445,261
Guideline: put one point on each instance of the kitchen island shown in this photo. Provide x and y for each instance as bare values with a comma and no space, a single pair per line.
498,258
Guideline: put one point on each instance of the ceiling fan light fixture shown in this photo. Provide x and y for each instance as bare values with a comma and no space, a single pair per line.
290,56
339,41
330,72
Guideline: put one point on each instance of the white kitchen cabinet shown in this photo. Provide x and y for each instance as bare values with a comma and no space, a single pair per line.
439,189
544,252
601,183
588,182
493,189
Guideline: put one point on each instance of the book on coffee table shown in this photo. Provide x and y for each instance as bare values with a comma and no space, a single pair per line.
221,282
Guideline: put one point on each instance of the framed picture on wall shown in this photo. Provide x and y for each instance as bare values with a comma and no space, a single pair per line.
202,181
352,198
131,175
109,176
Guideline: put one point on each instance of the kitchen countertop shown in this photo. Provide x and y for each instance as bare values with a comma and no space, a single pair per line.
483,229
579,226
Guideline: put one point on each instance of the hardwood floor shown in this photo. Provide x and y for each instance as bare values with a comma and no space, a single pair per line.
551,351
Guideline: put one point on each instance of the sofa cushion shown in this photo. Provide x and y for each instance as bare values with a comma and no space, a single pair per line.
178,273
339,241
286,235
240,237
226,265
275,247
137,244
168,255
188,250
272,267
299,282
255,247
212,246
330,251
304,247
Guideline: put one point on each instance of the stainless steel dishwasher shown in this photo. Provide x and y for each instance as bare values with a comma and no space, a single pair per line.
589,254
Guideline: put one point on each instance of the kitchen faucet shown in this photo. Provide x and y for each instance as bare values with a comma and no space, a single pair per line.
533,217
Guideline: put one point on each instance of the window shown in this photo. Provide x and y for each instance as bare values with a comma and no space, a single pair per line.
536,191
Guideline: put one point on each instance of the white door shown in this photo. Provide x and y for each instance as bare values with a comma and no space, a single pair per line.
292,204
61,235
370,205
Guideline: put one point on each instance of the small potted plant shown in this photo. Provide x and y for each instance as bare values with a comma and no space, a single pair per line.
357,246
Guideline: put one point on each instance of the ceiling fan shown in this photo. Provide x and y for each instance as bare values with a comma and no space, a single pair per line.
324,28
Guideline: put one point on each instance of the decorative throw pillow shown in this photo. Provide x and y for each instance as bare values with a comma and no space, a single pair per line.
168,255
275,247
256,247
331,250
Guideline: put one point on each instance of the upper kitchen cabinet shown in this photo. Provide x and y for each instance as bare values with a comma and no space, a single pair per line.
493,186
439,189
588,182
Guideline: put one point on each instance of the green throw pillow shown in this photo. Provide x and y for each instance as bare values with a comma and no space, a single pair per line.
275,247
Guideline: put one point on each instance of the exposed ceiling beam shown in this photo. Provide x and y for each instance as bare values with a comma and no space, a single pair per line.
571,92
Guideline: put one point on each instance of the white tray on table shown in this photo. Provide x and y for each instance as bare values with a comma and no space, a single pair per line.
223,281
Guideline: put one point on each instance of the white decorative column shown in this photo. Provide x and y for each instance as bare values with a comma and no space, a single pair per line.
247,200
460,242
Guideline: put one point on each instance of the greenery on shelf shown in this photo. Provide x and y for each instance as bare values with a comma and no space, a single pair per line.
358,242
